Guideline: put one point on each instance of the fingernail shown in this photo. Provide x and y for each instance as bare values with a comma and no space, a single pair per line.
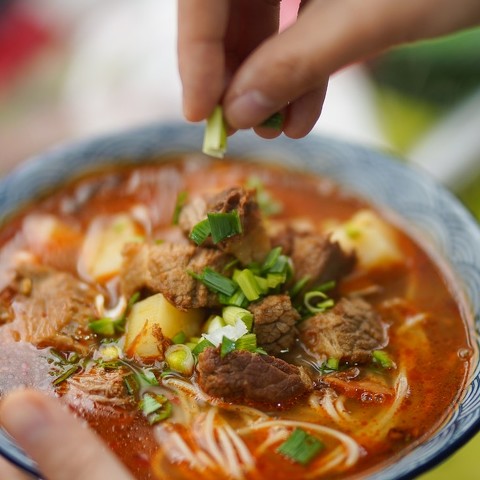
23,418
249,109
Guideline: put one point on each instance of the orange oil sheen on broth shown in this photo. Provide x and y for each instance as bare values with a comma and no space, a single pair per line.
426,349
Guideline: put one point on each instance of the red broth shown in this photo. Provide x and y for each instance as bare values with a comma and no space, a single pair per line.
382,412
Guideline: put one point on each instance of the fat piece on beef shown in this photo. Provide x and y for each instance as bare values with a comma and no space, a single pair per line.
350,331
274,323
251,378
165,268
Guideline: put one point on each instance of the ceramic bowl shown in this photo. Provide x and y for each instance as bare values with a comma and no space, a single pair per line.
428,208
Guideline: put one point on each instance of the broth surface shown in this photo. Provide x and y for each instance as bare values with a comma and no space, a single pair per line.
385,412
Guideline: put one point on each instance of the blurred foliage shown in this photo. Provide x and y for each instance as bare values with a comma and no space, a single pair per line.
441,72
404,118
418,83
470,196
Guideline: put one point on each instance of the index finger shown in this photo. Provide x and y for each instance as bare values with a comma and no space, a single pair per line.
202,27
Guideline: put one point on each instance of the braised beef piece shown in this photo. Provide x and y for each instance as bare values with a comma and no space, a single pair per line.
314,255
164,269
50,309
193,212
274,323
253,244
350,331
251,378
98,389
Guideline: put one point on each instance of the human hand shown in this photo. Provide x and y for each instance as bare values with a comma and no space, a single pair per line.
60,444
229,49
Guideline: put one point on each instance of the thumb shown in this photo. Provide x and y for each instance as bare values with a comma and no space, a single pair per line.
62,447
328,35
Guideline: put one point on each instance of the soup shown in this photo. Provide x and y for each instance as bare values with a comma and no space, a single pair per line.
231,320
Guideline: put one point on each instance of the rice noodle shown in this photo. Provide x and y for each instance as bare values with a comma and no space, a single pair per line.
234,468
189,455
401,391
114,313
208,430
342,411
242,450
352,449
326,404
411,321
332,460
277,437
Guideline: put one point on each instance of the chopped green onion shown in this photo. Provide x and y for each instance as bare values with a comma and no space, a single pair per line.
103,326
231,314
131,384
273,121
215,282
262,284
238,299
313,304
301,447
155,407
224,225
281,265
271,259
333,363
382,357
325,287
230,265
181,199
299,286
267,204
133,300
145,377
215,139
247,282
274,280
201,346
180,359
261,351
66,374
227,346
214,323
247,342
180,337
200,232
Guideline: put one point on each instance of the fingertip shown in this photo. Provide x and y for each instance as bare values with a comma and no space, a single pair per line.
303,114
248,109
268,132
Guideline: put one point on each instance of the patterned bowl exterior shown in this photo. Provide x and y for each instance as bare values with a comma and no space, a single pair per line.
427,208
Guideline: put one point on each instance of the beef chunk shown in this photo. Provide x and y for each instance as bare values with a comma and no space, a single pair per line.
164,269
317,257
251,378
50,308
350,331
193,212
274,323
253,244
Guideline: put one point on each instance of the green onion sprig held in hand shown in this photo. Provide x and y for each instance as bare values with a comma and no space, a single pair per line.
215,139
